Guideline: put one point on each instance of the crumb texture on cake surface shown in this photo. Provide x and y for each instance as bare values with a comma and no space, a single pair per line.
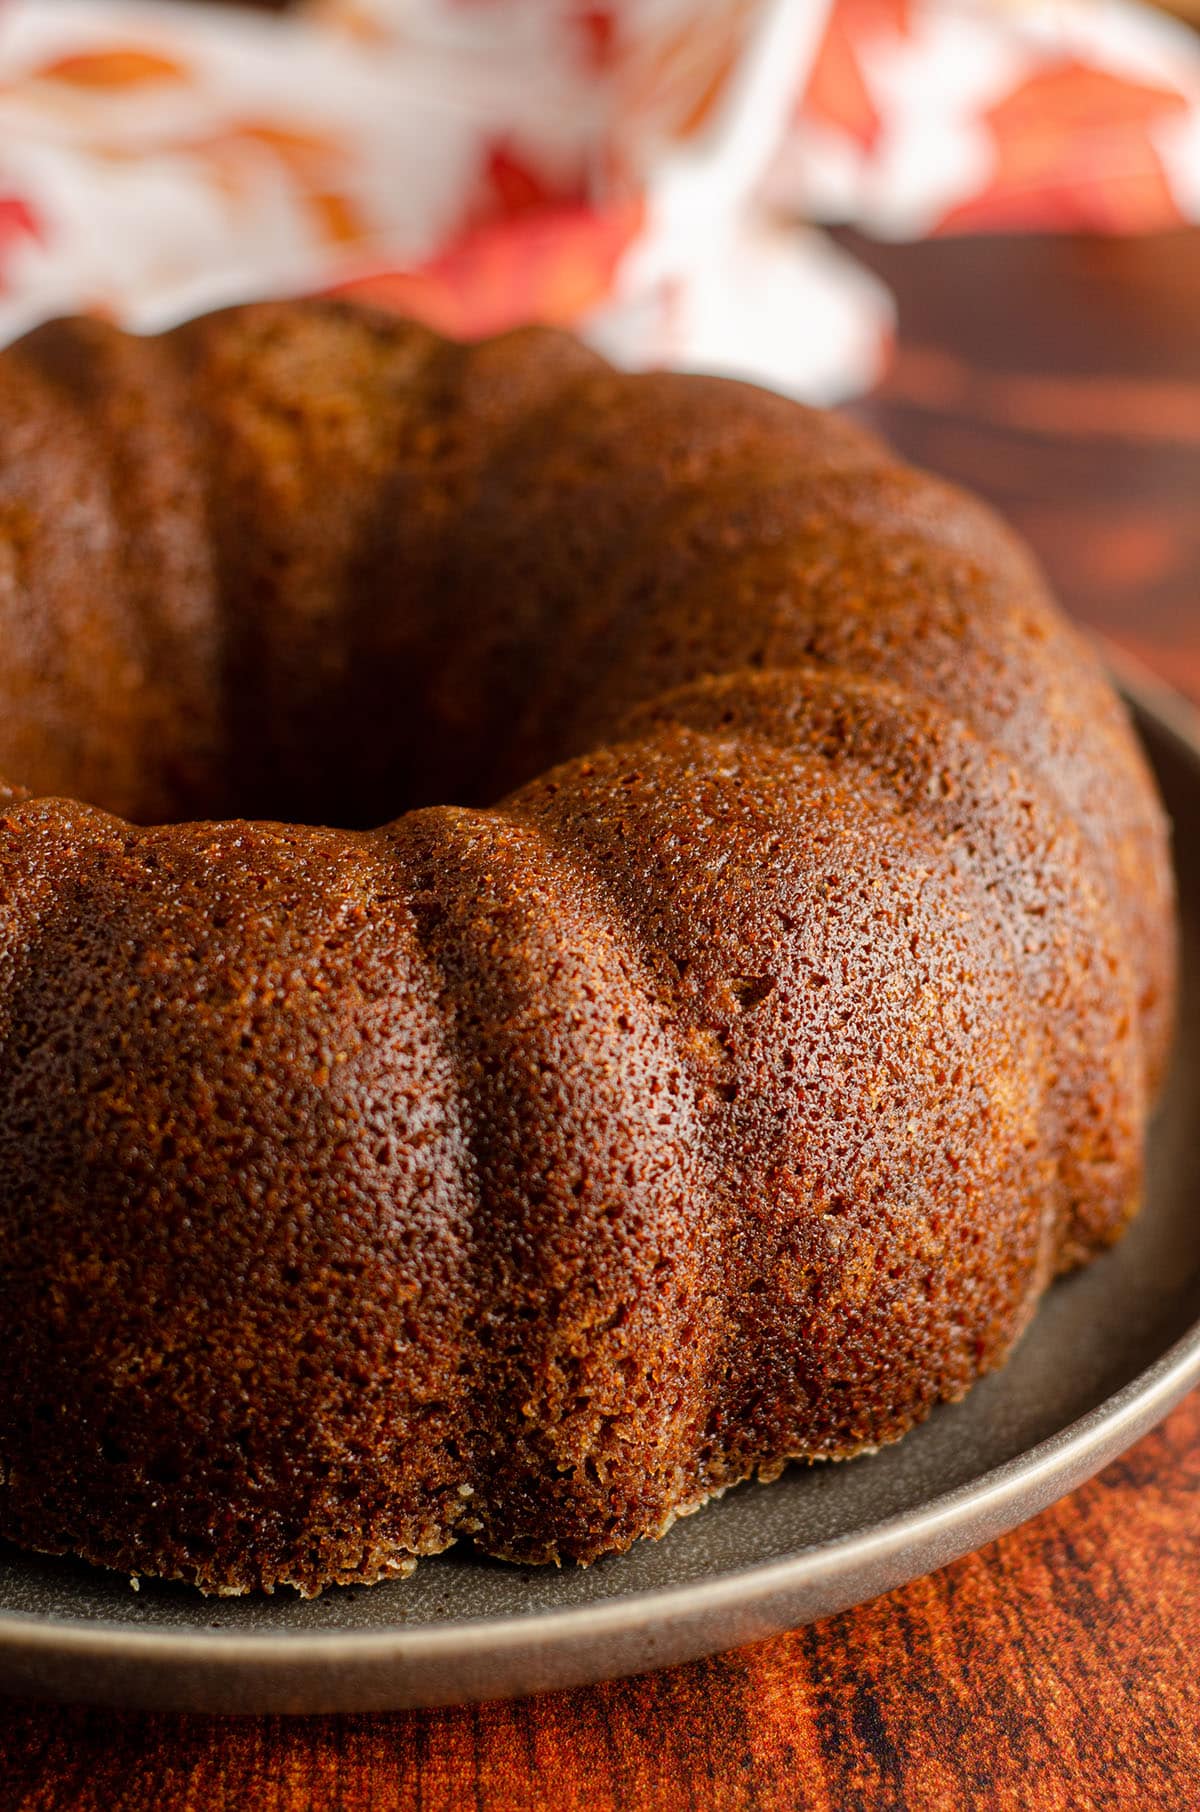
565,938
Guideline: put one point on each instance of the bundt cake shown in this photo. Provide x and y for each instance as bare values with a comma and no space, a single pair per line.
726,1094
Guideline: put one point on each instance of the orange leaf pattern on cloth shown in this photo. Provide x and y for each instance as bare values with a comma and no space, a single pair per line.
316,165
633,168
18,223
130,67
1074,150
675,80
838,93
512,186
597,28
549,268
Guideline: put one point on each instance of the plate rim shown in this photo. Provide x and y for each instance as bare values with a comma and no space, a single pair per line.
1075,1453
946,1527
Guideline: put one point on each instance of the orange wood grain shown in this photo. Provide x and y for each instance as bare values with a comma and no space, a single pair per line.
1053,1672
1059,1669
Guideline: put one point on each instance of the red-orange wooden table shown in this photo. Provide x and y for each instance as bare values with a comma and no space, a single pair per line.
1059,1668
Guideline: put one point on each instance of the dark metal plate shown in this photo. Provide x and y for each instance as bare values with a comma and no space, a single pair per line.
1108,1354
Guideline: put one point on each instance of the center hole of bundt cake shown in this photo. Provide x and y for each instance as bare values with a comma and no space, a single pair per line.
327,724
303,733
349,750
359,753
347,772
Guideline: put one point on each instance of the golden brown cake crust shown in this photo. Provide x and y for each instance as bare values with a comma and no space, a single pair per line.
529,1171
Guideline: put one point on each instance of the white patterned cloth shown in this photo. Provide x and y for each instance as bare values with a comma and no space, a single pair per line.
637,169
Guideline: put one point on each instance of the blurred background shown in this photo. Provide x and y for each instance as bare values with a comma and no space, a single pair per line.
652,172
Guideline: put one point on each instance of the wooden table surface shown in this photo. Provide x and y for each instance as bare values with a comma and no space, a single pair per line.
1059,1667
